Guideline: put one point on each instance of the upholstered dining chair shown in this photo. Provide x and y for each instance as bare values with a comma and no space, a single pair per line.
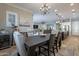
49,47
25,34
58,40
47,31
19,41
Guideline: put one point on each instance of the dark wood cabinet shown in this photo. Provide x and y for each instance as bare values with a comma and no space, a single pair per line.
4,41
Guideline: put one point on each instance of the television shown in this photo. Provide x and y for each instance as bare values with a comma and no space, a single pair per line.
35,26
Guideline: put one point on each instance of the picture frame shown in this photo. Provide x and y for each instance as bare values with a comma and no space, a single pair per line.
11,19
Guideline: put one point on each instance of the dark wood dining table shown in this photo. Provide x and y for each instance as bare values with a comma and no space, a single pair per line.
33,42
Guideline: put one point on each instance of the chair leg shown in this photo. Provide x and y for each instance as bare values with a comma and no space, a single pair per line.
53,51
59,44
56,47
48,51
18,54
39,50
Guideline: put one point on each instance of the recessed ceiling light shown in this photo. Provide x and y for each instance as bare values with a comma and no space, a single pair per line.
73,10
55,10
71,4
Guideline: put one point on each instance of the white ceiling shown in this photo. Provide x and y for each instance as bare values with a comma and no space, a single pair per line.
63,8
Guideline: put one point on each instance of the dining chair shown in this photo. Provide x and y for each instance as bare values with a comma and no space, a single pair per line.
25,34
47,31
49,47
58,40
62,36
65,34
20,46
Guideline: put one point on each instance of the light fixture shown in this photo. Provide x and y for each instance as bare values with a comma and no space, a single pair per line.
57,21
44,9
73,11
71,4
55,10
62,16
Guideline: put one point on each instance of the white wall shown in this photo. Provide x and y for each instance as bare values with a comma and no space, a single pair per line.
75,27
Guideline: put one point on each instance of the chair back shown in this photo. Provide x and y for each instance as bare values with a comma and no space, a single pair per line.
19,41
25,34
51,40
59,37
47,31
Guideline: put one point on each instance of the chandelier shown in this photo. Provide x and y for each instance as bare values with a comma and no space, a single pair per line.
44,9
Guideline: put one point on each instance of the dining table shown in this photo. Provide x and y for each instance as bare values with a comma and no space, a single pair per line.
32,42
